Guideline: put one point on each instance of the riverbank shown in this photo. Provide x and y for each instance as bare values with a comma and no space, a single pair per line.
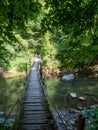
8,74
11,73
70,118
84,72
70,108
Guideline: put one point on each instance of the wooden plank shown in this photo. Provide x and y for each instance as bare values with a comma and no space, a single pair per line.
35,89
34,117
35,78
34,127
35,121
33,112
33,104
33,101
34,92
33,108
33,98
34,84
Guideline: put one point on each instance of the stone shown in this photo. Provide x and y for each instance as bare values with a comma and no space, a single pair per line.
73,95
68,77
91,77
71,110
81,98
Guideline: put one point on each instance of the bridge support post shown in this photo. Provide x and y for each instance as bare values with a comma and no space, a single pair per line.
81,123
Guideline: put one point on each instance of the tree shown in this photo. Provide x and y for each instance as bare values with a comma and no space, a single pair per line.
76,16
78,20
14,17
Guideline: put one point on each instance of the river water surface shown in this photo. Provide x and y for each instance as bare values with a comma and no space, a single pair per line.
10,91
59,92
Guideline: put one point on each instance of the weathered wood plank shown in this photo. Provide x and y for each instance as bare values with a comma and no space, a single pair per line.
34,84
36,92
34,114
33,100
33,104
35,88
35,121
33,96
34,127
34,108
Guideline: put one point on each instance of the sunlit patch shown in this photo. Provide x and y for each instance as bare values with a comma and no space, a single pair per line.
33,68
36,59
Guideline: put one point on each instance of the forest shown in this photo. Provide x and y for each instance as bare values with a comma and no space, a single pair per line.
64,33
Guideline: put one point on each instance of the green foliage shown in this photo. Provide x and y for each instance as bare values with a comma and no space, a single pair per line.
48,53
67,51
92,116
73,25
76,16
14,17
78,20
16,13
20,60
77,52
8,125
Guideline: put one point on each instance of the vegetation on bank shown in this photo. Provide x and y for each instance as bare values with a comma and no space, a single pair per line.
73,26
63,33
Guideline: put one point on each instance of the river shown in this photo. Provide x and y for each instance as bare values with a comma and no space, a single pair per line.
59,92
10,91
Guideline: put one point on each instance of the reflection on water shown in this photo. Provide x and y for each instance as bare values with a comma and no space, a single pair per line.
10,92
59,92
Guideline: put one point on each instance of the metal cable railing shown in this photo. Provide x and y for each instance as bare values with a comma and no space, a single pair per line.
22,99
49,101
17,103
7,121
80,121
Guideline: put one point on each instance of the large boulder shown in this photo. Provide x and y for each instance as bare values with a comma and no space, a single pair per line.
68,77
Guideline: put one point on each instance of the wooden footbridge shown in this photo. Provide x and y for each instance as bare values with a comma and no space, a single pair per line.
35,113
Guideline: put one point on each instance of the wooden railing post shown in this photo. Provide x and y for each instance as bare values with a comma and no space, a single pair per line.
26,71
41,69
81,123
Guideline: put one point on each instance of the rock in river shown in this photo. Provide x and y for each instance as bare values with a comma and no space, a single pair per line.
68,77
73,95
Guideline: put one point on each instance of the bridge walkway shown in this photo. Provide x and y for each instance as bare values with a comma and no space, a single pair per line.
34,113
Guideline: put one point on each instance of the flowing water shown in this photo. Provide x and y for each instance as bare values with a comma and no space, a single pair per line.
59,92
10,91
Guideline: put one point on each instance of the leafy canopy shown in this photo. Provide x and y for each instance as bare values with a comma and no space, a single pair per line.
14,16
76,16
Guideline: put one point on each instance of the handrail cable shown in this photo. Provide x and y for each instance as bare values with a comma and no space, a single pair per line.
48,99
16,103
10,112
